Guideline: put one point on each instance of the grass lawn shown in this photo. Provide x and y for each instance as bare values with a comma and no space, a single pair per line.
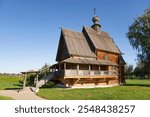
133,90
5,98
7,82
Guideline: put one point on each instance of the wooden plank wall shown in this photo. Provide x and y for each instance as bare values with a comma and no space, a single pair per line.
111,56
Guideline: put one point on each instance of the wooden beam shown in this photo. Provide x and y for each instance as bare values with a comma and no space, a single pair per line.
59,66
30,72
36,78
98,76
55,68
64,66
99,68
78,67
89,69
24,80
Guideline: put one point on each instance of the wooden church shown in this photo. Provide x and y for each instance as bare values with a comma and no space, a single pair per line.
88,59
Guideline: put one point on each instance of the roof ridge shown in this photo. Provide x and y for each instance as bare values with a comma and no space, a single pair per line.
70,30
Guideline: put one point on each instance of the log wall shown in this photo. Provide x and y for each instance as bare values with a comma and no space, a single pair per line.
90,82
102,55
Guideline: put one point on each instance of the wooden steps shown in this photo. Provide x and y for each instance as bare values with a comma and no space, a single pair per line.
45,79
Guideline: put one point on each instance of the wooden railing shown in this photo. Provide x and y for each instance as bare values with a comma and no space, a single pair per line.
85,73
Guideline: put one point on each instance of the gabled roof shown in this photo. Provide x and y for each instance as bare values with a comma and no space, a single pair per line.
74,44
84,44
101,40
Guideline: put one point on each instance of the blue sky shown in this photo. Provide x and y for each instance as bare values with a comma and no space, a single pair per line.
29,29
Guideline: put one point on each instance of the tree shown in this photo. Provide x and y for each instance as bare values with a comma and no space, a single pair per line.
45,66
128,71
45,69
139,38
139,72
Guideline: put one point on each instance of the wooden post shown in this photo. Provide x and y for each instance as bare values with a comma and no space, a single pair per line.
118,71
89,69
46,71
77,69
24,80
37,88
109,69
64,66
59,67
49,70
99,68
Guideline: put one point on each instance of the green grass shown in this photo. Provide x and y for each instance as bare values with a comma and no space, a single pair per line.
133,90
5,98
8,82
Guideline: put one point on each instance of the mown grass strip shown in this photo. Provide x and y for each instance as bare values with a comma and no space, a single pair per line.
133,90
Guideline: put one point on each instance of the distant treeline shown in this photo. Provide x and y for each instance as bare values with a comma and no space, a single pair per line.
11,74
139,72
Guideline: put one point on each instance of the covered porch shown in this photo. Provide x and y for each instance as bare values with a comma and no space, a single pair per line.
85,72
84,67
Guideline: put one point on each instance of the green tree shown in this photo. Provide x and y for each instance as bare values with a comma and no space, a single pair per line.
139,37
44,70
128,71
45,66
140,72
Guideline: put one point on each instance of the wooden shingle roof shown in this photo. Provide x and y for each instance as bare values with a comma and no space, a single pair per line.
84,44
101,40
87,61
76,45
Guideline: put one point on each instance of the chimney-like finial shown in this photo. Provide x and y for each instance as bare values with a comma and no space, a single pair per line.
96,26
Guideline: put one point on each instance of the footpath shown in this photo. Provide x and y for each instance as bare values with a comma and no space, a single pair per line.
26,94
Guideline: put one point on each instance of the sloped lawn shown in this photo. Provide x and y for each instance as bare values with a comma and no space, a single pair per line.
9,82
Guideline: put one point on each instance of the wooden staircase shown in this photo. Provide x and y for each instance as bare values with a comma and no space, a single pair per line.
45,79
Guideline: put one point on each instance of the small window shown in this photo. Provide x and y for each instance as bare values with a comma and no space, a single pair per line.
104,67
83,67
71,66
94,67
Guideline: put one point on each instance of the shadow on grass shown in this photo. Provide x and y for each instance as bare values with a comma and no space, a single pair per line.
48,86
141,85
19,85
12,88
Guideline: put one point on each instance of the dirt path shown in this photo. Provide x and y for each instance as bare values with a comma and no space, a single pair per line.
26,94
